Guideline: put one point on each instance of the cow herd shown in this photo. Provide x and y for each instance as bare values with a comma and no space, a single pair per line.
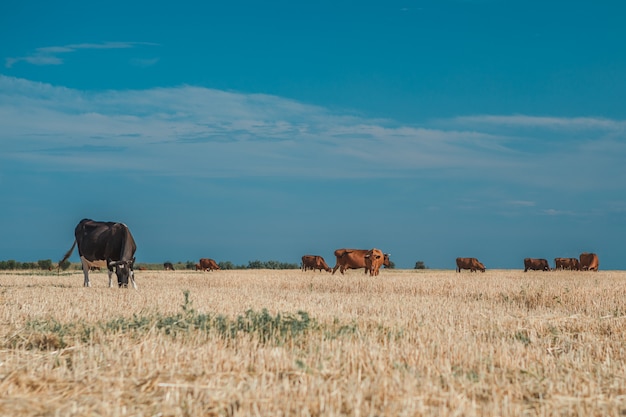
369,259
112,245
585,262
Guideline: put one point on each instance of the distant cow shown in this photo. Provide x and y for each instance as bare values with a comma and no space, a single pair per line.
472,264
567,263
96,265
314,262
536,264
589,261
374,258
207,264
168,266
354,259
105,242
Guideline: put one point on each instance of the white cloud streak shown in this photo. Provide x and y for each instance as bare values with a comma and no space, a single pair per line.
194,131
50,55
556,123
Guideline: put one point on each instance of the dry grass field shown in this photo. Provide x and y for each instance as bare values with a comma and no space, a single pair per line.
288,343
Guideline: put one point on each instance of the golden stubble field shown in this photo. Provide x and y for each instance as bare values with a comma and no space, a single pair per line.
288,343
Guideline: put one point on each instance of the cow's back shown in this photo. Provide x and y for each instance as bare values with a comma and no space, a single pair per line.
472,264
589,261
208,263
536,264
104,240
308,261
350,259
463,263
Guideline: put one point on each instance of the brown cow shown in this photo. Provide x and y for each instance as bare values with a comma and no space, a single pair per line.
374,258
472,264
536,264
96,265
207,264
314,262
589,261
567,263
354,259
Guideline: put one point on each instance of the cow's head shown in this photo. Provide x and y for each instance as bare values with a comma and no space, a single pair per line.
123,271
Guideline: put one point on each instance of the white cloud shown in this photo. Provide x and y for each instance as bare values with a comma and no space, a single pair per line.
197,131
520,203
555,212
575,123
49,55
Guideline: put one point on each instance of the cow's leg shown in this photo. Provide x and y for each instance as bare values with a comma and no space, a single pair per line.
335,268
86,282
132,278
110,277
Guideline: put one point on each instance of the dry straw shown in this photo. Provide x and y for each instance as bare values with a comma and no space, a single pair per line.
259,342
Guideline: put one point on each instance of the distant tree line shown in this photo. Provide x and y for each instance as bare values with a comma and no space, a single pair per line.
226,265
45,264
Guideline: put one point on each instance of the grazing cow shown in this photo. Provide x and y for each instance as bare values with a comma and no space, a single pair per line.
168,266
354,259
567,263
207,264
108,242
314,262
589,261
374,258
472,264
536,264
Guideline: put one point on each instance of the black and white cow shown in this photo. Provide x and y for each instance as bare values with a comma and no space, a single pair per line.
109,242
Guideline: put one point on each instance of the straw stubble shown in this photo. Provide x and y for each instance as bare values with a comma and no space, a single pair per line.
262,342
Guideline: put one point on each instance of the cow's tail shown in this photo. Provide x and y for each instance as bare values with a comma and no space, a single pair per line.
68,254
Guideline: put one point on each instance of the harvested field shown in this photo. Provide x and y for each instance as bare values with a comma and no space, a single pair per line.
265,342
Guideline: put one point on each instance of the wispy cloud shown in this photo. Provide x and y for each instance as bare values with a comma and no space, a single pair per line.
201,132
559,123
52,55
555,212
144,62
520,203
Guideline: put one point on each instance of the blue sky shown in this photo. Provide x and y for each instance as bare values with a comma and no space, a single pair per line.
267,130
